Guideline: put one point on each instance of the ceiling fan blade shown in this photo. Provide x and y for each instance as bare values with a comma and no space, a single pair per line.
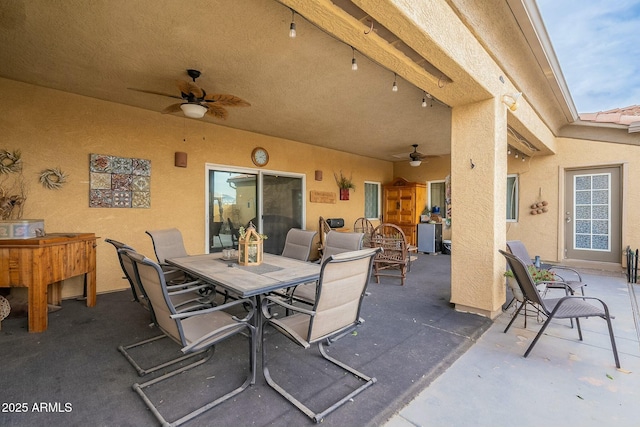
173,108
190,88
227,100
217,111
155,93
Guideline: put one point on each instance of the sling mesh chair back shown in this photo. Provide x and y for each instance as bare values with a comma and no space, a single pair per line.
567,307
336,243
168,243
129,274
184,297
518,248
394,260
335,313
195,331
298,244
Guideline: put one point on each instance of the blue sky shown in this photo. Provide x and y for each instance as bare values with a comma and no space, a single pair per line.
597,43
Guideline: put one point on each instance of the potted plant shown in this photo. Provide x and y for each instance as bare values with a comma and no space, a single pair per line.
537,274
344,184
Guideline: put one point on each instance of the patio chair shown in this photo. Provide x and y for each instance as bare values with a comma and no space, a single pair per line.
298,244
184,297
127,270
567,307
235,233
337,242
517,248
335,313
393,260
363,225
216,228
196,331
323,230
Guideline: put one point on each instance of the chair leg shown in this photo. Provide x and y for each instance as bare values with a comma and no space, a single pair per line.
613,342
515,315
535,340
144,371
319,416
139,388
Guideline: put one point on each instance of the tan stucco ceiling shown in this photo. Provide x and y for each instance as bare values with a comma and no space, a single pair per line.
301,89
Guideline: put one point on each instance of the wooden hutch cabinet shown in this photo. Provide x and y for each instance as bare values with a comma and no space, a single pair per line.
403,203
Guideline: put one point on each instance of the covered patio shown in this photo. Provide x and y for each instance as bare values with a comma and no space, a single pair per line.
411,334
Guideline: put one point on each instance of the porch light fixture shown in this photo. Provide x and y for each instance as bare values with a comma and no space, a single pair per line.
354,64
194,111
395,83
511,100
292,27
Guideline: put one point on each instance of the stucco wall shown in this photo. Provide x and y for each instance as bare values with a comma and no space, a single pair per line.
57,129
541,233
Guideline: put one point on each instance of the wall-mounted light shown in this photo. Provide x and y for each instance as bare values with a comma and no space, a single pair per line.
318,175
194,111
180,159
511,100
395,83
354,63
292,27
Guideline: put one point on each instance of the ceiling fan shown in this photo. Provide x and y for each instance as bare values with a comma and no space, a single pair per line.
416,158
196,102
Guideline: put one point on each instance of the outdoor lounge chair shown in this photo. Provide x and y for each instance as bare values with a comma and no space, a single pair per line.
298,244
567,307
395,253
517,248
336,243
196,331
336,312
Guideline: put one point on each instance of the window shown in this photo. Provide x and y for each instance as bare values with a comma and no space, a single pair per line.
371,200
512,198
436,196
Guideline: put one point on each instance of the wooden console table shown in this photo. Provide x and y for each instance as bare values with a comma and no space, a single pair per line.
39,262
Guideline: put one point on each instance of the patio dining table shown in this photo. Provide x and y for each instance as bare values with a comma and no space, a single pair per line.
276,272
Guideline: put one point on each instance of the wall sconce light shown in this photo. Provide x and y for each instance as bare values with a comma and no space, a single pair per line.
180,159
292,27
194,111
318,175
511,100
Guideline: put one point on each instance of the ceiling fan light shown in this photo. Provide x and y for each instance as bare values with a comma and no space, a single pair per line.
194,111
415,163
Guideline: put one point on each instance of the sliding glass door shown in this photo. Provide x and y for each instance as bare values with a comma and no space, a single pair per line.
235,197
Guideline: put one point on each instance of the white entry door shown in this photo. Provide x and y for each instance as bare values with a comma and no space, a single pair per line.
593,229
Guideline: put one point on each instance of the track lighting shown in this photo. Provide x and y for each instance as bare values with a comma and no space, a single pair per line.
292,27
395,83
354,64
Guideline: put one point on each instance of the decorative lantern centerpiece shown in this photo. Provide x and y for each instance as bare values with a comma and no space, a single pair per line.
250,248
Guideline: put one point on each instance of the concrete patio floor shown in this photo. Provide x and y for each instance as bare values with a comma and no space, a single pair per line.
563,382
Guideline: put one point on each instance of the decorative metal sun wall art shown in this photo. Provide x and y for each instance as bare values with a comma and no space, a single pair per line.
119,182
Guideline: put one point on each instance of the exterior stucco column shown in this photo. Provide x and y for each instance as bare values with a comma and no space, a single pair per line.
478,199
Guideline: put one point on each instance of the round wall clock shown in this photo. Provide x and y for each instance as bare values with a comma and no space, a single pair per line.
259,156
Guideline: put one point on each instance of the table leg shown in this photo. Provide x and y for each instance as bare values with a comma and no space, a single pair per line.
38,309
90,278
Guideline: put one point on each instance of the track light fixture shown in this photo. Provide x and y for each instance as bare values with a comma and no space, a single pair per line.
395,83
292,27
354,64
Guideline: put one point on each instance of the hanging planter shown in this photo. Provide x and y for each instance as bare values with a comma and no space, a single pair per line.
344,184
250,249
